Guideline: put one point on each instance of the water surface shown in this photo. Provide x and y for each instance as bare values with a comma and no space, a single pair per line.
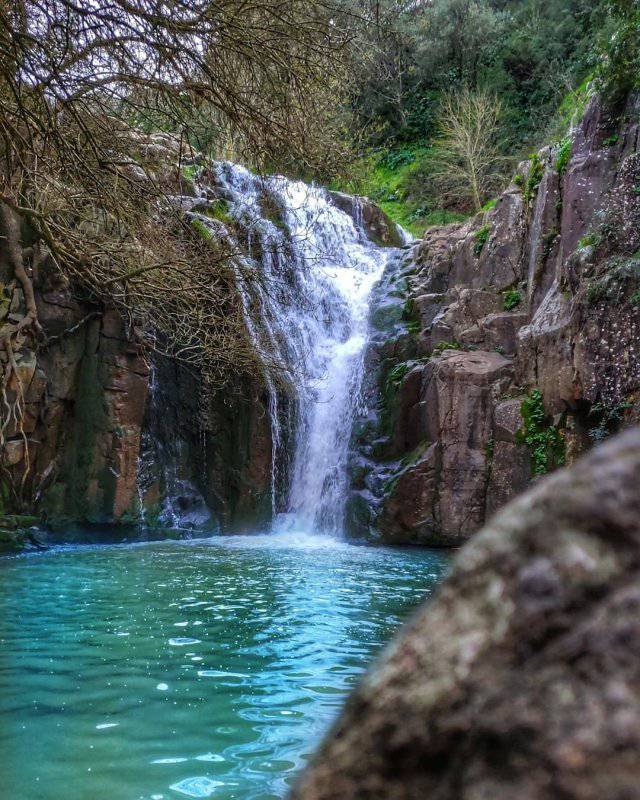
188,669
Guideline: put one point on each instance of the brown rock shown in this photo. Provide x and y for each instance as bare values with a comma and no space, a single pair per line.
521,679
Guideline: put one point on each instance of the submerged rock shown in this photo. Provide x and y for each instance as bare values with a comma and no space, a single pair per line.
522,678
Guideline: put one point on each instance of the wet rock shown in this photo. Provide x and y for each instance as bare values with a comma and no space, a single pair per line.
370,217
520,679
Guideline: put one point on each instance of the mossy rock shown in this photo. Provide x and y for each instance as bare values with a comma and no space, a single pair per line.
387,317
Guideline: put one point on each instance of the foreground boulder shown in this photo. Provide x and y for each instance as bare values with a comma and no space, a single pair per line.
522,678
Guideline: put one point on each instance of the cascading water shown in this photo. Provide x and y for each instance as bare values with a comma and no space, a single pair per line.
307,313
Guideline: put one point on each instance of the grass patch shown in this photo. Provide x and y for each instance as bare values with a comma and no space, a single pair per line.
391,179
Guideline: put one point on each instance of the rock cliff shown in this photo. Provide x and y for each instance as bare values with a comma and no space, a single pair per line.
521,678
506,345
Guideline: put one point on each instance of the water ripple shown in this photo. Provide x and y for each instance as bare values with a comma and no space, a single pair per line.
99,698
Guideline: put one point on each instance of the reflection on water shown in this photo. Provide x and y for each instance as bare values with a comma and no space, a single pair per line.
206,669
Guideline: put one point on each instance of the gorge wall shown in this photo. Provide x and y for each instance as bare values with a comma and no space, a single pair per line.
504,346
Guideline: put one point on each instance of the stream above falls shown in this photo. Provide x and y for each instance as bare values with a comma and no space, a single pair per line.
207,668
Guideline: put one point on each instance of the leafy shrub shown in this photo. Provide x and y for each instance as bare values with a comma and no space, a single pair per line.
596,291
511,299
544,440
619,64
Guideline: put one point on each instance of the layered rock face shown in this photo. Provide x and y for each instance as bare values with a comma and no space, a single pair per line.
98,431
506,345
72,450
522,677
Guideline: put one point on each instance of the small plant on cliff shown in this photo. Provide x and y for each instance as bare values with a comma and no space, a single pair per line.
511,299
563,156
481,236
544,440
534,176
396,374
588,240
608,418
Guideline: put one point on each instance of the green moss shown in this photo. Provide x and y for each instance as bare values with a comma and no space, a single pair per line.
442,346
189,172
489,205
489,451
511,299
481,236
201,229
397,180
218,209
534,176
544,440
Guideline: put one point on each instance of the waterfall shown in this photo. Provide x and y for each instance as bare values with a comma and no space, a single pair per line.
307,315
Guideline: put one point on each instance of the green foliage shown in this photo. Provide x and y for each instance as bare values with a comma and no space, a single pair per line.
589,240
439,349
395,375
525,51
544,440
563,155
218,209
481,236
571,108
608,419
489,205
489,451
534,176
511,299
201,229
619,42
618,282
189,172
397,179
596,291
